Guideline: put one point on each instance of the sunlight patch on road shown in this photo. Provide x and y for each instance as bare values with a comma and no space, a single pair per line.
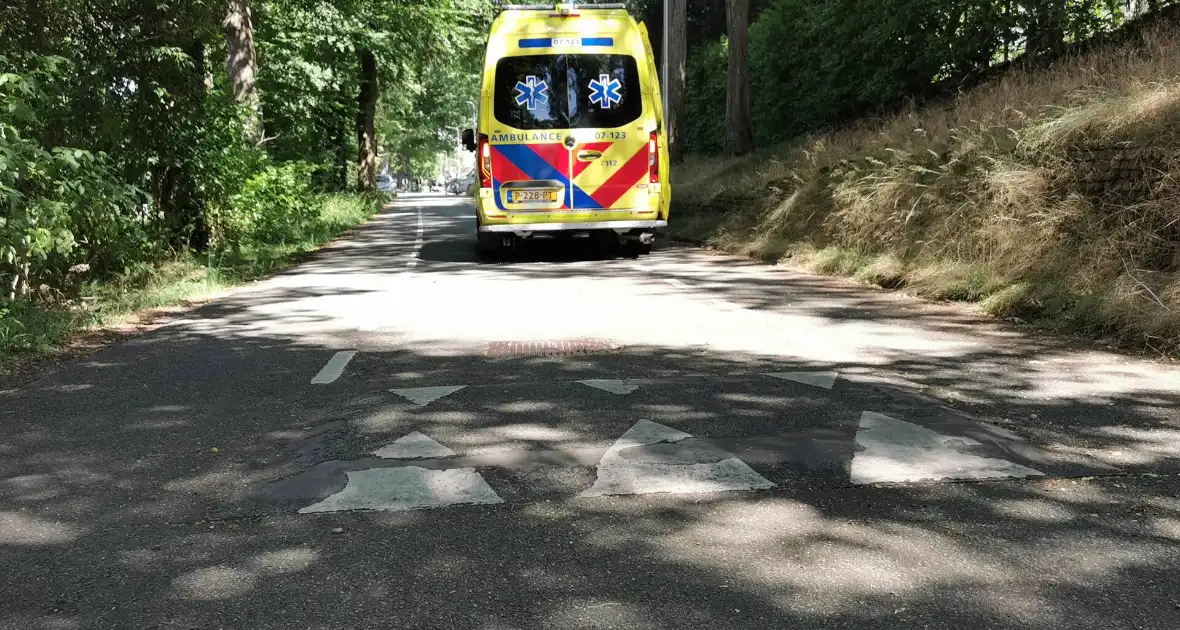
229,582
214,583
1130,446
1034,510
23,530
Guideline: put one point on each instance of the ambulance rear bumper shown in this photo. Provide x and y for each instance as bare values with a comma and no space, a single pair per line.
619,226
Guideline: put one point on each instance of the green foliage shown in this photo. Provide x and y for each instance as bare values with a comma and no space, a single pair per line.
426,100
24,326
703,121
815,65
59,206
307,60
123,152
275,205
799,83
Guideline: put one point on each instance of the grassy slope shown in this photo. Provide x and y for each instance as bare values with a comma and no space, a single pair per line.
38,330
979,199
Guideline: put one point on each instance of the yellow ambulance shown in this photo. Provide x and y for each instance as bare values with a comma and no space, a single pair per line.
569,137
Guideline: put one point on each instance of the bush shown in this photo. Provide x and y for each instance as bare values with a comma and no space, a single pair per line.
702,125
60,207
801,82
276,206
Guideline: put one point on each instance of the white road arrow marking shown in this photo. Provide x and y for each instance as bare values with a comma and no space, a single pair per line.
898,451
407,488
613,386
651,457
334,368
817,379
413,446
423,396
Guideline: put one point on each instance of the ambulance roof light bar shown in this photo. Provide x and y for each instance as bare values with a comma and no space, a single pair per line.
570,7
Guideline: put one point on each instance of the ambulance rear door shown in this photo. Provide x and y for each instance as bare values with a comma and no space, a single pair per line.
606,107
530,162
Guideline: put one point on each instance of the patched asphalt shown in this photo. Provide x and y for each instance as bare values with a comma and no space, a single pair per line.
159,483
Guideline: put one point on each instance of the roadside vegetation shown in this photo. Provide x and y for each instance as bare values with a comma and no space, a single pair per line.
1038,176
1021,154
152,154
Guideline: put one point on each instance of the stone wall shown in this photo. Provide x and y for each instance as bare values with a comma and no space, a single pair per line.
1129,173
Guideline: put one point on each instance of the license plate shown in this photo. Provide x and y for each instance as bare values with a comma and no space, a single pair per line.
520,196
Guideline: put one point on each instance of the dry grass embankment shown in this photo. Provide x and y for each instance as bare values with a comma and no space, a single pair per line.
1050,195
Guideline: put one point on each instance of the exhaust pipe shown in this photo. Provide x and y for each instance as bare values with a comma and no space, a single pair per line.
646,238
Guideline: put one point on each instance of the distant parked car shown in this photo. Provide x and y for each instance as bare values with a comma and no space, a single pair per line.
461,185
385,183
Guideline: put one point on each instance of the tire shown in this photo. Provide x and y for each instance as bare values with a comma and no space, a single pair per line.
635,249
603,241
487,245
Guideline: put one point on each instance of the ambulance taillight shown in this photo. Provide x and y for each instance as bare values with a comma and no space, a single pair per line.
485,162
653,159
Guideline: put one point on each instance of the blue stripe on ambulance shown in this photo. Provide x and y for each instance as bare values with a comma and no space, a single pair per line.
533,165
547,42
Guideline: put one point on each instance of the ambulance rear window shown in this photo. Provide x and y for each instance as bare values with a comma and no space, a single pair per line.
567,91
603,90
530,92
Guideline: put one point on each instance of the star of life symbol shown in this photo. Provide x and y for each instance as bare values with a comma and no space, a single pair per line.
531,92
605,91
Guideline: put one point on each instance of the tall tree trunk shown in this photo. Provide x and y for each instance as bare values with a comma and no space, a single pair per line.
366,124
739,132
674,82
241,64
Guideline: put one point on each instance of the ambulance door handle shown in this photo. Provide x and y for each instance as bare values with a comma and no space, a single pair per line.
588,155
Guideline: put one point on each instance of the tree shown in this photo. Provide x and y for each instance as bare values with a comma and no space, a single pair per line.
400,41
241,65
677,53
417,121
366,123
739,131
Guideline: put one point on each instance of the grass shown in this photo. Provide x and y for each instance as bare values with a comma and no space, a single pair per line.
996,198
32,329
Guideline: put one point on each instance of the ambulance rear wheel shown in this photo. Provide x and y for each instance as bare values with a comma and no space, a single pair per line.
637,249
604,240
487,245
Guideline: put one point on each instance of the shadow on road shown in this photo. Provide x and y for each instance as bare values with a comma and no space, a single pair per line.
133,485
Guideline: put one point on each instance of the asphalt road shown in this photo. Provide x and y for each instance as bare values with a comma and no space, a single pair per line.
396,435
